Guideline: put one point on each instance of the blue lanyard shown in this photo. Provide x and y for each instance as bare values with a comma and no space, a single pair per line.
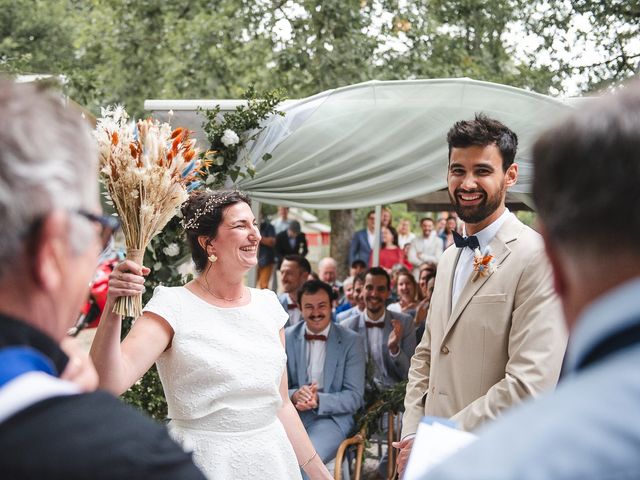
16,361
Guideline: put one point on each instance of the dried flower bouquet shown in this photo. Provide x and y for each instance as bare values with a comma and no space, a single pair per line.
148,169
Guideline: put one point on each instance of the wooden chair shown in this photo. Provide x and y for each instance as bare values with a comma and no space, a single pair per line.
359,441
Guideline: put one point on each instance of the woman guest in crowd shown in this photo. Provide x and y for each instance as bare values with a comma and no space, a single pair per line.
426,282
390,253
408,294
447,235
218,346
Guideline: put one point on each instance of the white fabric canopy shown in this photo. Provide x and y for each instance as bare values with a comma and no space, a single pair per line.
382,142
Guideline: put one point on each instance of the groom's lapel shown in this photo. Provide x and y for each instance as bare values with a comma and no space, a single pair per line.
500,251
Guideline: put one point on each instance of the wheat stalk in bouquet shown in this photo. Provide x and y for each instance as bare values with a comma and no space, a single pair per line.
148,169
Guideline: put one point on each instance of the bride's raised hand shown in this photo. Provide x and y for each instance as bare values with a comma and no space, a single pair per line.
126,280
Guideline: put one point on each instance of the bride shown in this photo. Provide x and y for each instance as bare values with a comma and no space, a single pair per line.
219,349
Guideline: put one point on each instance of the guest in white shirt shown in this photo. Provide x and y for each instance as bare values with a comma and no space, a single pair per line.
281,224
427,247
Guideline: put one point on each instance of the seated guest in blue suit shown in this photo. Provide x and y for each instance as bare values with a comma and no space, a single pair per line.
390,337
326,371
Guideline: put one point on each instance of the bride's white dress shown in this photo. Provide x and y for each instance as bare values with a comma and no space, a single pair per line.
221,378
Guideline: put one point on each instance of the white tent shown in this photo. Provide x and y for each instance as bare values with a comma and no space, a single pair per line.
375,142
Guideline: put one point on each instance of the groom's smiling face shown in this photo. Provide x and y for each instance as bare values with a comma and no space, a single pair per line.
316,310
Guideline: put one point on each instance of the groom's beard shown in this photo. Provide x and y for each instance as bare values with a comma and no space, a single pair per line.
476,213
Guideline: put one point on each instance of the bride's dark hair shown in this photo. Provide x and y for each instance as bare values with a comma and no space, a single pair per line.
202,215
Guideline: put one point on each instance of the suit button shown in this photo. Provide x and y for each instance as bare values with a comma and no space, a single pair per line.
444,350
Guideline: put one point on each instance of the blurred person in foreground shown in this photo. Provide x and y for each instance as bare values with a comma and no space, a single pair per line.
494,335
587,167
50,241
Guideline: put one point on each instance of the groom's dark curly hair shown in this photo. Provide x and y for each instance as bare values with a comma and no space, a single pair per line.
483,131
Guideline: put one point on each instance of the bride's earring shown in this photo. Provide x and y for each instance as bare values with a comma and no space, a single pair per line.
213,258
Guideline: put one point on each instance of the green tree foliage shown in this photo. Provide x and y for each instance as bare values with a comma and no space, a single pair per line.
593,40
35,37
331,45
460,38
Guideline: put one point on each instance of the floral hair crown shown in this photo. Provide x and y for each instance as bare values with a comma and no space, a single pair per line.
214,201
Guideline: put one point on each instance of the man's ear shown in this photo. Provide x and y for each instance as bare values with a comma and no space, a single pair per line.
511,175
50,251
557,267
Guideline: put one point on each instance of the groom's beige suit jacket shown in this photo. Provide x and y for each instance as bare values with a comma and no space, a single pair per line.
503,341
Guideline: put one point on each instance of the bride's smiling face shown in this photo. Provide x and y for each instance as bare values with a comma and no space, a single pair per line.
236,244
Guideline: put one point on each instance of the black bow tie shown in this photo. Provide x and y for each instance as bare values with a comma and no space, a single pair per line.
461,242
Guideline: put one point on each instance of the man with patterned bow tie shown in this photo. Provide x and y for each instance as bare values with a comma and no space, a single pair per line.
390,337
325,369
494,331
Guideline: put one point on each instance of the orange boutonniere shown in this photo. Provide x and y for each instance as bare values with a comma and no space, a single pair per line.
482,263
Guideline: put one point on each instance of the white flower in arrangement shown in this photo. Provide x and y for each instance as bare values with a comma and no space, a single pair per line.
230,138
171,250
186,268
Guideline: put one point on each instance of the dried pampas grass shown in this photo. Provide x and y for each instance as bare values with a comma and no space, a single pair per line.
148,169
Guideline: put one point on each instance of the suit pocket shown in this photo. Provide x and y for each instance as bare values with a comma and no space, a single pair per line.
492,298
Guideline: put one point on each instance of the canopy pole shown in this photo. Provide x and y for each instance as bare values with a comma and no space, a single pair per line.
376,237
252,275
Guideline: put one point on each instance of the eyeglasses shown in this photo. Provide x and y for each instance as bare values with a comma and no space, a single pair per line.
108,226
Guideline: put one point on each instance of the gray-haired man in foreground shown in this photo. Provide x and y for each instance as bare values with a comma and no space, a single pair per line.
51,235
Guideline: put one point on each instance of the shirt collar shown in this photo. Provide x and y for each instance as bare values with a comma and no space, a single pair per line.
611,312
488,233
14,332
380,320
324,332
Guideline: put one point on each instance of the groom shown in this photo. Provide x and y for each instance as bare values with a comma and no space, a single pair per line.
496,336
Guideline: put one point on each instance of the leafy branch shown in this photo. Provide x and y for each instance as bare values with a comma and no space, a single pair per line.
230,133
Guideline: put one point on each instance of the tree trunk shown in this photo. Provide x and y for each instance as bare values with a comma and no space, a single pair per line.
341,233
